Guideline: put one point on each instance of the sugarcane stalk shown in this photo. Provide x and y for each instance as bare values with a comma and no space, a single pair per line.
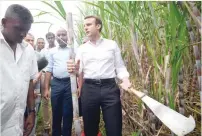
167,85
198,23
198,65
77,122
181,93
194,80
135,50
167,88
196,54
190,89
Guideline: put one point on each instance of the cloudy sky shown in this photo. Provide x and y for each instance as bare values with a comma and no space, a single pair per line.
39,30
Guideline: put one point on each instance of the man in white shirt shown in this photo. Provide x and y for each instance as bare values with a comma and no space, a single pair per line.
30,39
50,37
18,68
37,83
40,44
100,63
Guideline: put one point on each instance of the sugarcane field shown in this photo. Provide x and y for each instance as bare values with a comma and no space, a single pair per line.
100,68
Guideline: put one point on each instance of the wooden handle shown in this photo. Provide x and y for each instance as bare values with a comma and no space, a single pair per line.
137,93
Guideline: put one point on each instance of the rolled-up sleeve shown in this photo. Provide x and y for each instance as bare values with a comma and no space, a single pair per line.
49,67
119,64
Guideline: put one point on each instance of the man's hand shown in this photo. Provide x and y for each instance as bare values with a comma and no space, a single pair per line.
38,77
125,84
46,94
72,67
79,92
29,124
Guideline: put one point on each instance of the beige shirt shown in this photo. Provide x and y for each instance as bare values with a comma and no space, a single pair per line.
15,75
101,60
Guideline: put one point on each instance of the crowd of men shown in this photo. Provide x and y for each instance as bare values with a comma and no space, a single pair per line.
26,85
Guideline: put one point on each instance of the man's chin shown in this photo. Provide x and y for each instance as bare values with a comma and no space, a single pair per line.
20,41
62,45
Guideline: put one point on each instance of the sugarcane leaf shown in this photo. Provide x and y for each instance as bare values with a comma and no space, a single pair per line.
61,8
54,8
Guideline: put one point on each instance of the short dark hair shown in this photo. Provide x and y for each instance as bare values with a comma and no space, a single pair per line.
40,38
50,33
97,20
16,10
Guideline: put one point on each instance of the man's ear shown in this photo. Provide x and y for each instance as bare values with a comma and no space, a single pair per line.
98,26
3,22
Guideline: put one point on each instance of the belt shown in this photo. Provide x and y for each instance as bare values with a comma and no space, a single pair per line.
62,79
99,81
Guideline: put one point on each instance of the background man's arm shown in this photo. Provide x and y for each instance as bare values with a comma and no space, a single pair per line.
30,96
49,71
47,80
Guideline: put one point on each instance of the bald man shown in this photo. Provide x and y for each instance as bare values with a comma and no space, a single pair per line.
61,98
18,68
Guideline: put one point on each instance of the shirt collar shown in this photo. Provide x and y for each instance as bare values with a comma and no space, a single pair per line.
98,41
67,47
23,44
19,49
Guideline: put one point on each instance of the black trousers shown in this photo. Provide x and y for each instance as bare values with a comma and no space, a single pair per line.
104,95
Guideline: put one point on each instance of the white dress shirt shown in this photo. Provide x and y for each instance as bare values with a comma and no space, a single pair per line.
45,53
15,75
101,60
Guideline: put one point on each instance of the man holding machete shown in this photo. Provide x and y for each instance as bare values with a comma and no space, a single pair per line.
100,63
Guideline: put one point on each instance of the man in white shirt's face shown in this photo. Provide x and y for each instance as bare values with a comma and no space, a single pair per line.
92,28
50,37
40,43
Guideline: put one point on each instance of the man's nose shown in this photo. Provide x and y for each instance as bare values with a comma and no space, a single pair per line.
85,28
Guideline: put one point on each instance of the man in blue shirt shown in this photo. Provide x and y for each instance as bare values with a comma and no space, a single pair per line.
61,98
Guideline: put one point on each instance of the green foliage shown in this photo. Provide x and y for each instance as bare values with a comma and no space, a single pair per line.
158,26
136,133
161,28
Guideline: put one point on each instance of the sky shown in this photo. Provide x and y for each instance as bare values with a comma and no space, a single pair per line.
40,29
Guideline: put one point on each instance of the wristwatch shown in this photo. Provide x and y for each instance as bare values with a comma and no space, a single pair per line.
31,110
